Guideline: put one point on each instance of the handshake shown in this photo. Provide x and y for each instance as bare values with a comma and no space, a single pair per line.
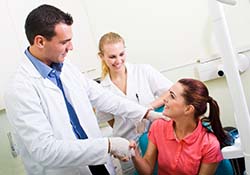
120,148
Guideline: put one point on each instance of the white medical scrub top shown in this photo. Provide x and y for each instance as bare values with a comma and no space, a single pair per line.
144,85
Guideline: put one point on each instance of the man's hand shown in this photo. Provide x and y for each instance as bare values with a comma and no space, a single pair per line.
119,148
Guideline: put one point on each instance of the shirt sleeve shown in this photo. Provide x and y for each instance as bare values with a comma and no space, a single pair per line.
158,82
212,152
153,132
103,117
105,101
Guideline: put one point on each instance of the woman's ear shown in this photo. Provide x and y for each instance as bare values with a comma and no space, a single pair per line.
100,55
189,109
39,41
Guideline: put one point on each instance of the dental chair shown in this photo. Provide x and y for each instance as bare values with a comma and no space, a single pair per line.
225,168
238,164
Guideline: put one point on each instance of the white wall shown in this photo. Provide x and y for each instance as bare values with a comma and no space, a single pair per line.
172,36
9,48
218,89
166,33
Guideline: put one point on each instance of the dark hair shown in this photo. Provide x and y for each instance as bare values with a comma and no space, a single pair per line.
42,21
196,93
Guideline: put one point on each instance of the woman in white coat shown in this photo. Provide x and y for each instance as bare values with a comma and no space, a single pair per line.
37,110
140,83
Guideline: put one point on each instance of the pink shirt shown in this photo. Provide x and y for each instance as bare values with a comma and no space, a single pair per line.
183,157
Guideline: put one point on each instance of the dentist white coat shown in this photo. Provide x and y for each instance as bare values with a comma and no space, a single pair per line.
37,112
144,84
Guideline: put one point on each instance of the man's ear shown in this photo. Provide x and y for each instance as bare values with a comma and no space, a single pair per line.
39,41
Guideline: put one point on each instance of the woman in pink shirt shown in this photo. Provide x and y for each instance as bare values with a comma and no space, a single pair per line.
182,146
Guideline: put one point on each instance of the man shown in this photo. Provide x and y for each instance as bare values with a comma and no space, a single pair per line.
49,104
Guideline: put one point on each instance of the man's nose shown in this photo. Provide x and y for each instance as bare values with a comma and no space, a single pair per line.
70,46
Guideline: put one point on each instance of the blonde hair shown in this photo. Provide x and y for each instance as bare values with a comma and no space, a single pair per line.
108,38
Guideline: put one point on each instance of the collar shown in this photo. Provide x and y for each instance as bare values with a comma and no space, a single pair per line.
107,81
57,67
189,139
42,68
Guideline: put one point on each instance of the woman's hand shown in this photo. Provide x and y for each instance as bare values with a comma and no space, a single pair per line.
134,149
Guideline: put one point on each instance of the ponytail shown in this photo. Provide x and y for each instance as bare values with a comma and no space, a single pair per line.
196,93
105,70
214,120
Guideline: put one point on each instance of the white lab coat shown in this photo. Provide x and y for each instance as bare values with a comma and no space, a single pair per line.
143,80
144,84
37,112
